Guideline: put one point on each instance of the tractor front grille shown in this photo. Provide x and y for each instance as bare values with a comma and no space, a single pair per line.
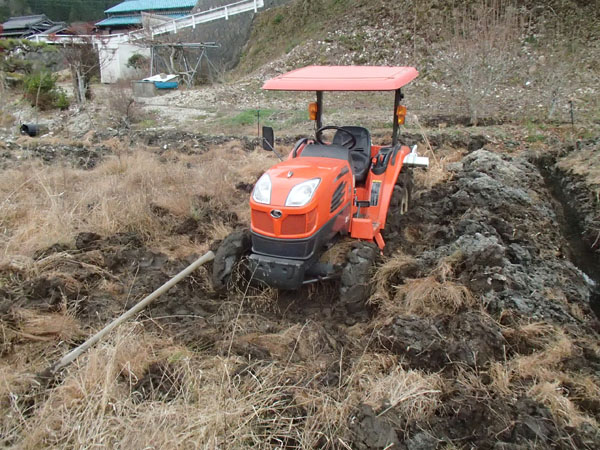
262,221
291,225
295,224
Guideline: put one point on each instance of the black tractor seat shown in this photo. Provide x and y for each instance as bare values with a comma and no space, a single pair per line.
361,153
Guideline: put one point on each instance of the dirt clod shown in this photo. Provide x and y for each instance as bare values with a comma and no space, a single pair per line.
159,382
371,431
434,343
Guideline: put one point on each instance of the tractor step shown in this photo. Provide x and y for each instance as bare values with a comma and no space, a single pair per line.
363,228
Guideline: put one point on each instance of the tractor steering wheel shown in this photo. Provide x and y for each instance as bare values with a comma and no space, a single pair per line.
351,138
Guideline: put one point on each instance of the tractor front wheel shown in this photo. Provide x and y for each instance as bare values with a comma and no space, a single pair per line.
355,284
231,251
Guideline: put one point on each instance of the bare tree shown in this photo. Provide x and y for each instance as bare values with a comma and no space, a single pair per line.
551,73
480,51
83,59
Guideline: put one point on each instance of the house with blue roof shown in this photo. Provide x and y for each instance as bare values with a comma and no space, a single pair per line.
128,15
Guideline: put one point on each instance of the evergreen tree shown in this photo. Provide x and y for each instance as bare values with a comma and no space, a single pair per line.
4,12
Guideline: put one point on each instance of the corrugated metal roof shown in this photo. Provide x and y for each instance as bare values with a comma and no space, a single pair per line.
23,21
130,20
150,5
18,33
120,20
54,29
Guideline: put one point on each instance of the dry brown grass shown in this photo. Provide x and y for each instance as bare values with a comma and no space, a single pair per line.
536,334
428,296
553,395
337,254
47,326
26,141
584,162
437,172
210,402
434,175
392,267
219,231
413,394
552,345
541,376
214,401
433,294
537,365
7,119
41,205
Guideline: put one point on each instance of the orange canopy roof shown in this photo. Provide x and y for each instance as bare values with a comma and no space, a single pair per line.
343,78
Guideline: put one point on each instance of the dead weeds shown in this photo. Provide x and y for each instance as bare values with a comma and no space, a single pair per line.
42,205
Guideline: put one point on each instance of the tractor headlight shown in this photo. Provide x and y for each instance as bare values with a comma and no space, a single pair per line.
301,194
262,190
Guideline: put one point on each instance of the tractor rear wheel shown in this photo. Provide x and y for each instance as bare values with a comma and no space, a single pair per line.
228,257
355,284
399,205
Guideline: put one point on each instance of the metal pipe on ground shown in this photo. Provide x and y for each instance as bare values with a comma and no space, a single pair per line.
33,129
73,354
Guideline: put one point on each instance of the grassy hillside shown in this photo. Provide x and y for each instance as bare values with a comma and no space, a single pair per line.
478,56
411,23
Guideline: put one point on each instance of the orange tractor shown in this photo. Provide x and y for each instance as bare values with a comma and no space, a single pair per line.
325,190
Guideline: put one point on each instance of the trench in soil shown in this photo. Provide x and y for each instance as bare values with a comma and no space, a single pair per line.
570,222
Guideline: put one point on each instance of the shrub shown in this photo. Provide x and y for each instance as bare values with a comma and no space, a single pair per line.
41,91
62,101
124,110
138,62
14,64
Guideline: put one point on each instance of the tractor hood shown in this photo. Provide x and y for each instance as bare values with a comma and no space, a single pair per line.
293,172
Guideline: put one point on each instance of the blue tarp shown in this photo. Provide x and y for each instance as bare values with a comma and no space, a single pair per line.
166,84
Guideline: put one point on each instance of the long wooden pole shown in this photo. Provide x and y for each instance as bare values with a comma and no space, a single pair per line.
73,354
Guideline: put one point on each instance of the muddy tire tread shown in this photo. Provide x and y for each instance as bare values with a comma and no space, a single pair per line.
394,214
355,282
233,248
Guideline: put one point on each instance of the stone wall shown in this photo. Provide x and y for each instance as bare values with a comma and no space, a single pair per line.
231,34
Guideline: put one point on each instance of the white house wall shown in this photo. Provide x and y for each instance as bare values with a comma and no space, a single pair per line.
114,58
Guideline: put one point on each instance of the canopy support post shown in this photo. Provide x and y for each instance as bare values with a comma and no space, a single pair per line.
319,109
397,99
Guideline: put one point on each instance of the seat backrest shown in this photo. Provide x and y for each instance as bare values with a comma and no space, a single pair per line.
326,151
362,135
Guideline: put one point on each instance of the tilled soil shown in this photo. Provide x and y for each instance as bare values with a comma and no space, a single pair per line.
496,220
79,155
496,223
492,228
